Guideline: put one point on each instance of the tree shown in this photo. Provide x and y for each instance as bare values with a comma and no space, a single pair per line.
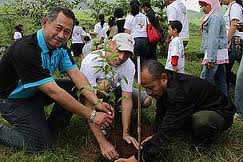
35,9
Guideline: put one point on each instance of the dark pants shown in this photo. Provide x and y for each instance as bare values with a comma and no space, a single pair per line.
30,130
152,48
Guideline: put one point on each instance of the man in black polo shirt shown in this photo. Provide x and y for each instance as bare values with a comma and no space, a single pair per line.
28,83
184,102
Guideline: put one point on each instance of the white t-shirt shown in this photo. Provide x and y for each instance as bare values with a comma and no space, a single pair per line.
17,35
137,25
87,49
101,32
176,48
177,11
234,11
127,70
78,34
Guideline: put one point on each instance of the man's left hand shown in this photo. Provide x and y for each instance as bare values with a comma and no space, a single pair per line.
129,139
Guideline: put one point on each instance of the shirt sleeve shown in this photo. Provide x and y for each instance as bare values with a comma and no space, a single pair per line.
88,69
213,33
128,22
127,78
67,63
17,35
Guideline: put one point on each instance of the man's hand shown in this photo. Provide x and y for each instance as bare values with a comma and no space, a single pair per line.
108,151
105,107
210,65
102,118
131,159
129,139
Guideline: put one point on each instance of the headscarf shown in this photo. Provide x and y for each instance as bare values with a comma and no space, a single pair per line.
215,5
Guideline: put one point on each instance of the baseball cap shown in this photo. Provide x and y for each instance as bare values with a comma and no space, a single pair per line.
124,42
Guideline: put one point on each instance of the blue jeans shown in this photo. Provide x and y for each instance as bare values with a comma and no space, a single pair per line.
215,76
239,90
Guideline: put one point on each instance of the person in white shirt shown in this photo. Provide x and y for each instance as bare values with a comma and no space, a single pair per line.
77,40
136,25
234,25
175,59
122,66
176,10
88,46
18,34
101,28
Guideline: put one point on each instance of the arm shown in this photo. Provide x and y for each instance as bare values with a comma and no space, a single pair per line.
213,33
81,82
65,99
233,28
126,118
107,149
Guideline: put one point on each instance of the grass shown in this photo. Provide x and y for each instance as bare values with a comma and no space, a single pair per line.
77,144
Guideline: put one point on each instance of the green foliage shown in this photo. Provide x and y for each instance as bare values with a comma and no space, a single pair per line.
35,9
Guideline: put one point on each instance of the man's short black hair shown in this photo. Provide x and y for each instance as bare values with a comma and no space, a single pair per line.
53,13
118,13
146,4
176,25
101,17
154,67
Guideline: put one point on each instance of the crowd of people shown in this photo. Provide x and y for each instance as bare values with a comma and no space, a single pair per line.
30,83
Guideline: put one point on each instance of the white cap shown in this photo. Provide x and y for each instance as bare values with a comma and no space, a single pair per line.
124,42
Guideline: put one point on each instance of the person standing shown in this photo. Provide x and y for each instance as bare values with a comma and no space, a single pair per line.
175,58
153,20
18,34
136,25
214,44
101,28
176,10
77,40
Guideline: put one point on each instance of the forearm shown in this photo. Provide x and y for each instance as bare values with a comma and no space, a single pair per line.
98,134
231,33
66,101
126,114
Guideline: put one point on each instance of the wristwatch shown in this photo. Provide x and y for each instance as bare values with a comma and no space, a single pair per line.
92,116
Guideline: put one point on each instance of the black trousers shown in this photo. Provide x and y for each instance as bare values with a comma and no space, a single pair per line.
29,129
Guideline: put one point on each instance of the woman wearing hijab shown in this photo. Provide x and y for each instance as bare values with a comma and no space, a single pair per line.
214,44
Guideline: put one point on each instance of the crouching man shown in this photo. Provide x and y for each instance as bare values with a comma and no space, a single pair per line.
185,103
28,84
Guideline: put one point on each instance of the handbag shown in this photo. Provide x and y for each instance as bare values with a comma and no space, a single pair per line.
152,33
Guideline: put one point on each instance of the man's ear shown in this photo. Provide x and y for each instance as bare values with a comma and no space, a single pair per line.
44,20
164,76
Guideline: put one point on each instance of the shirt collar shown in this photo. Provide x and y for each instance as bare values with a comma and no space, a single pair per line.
41,41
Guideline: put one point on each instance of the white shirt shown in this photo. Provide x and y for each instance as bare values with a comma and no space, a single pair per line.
87,48
176,48
17,35
78,34
137,25
234,11
101,32
127,70
177,11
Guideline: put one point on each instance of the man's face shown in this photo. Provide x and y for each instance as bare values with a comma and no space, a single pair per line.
58,31
154,87
206,8
120,58
171,32
167,2
225,2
